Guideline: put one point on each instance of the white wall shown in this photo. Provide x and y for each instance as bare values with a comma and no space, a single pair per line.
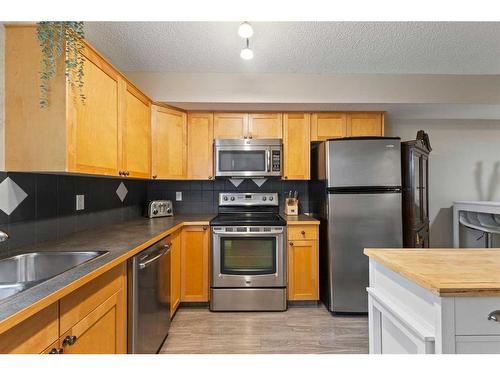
464,165
317,88
2,97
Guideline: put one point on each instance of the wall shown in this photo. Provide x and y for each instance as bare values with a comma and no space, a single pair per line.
2,96
464,165
318,88
48,211
202,196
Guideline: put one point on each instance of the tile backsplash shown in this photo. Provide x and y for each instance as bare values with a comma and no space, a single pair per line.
45,205
202,196
39,207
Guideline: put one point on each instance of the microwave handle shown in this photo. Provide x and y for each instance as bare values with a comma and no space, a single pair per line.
268,152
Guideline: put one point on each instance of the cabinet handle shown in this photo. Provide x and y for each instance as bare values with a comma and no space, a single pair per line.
69,340
154,176
127,173
418,240
120,173
285,177
494,316
291,243
204,228
57,351
209,177
303,233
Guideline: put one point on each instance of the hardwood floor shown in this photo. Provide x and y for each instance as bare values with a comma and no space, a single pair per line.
308,329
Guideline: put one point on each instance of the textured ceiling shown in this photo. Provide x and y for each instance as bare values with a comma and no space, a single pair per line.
302,47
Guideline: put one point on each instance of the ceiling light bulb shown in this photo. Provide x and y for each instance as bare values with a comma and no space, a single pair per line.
245,30
246,54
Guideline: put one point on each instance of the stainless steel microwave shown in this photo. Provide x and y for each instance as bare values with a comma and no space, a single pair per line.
248,157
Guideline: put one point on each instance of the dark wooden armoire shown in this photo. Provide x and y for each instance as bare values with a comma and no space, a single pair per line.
415,169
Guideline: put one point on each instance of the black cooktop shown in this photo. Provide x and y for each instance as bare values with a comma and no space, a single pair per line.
248,218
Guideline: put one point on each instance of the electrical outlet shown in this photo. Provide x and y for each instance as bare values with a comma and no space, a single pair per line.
80,202
178,195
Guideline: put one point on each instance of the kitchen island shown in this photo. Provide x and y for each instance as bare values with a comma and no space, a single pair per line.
434,301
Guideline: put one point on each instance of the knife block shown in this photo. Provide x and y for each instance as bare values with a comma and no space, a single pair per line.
291,206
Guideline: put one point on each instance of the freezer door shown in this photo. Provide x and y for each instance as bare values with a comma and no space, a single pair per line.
364,162
355,222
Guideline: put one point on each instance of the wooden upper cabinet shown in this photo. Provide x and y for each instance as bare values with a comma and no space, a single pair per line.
136,136
327,125
200,133
93,125
365,124
265,125
195,264
296,146
103,135
169,135
230,125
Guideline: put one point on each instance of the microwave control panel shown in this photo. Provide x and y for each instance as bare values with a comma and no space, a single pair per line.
276,160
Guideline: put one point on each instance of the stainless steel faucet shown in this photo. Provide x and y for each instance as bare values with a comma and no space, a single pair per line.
3,236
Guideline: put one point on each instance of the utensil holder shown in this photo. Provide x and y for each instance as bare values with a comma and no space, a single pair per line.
291,206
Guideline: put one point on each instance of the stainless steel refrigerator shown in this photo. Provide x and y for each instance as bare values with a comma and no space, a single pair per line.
356,193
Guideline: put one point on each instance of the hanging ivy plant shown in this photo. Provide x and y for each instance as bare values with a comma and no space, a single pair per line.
57,38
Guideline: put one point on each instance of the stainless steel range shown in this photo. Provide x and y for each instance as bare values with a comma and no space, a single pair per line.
248,254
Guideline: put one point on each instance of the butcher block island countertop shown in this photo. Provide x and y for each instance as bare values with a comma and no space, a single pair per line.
445,272
434,301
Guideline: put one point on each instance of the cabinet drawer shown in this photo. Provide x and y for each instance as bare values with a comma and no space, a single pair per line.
471,315
306,232
32,335
75,306
478,345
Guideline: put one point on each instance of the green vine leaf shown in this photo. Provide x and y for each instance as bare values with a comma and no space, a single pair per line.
55,39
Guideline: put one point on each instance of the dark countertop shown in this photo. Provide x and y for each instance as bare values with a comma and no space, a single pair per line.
122,241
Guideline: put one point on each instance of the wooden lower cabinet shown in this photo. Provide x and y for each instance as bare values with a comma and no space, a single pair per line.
175,272
100,332
303,264
195,263
90,320
32,335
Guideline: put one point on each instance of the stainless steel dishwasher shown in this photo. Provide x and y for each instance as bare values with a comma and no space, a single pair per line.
149,298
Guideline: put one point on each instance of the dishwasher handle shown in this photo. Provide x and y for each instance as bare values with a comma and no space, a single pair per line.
164,249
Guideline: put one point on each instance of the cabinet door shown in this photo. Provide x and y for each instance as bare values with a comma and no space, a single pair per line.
230,125
103,331
175,273
296,146
34,334
265,125
169,143
93,126
365,124
194,264
200,150
303,265
136,134
328,125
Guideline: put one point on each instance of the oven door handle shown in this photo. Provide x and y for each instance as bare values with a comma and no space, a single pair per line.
268,152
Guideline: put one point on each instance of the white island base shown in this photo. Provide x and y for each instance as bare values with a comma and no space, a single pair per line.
407,318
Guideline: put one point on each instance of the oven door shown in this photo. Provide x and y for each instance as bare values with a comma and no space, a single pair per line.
245,258
247,161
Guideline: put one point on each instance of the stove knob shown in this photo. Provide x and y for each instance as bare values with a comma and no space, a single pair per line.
155,212
232,198
271,199
264,199
225,198
169,210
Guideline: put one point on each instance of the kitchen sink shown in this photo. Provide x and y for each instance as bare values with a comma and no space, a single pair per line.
23,271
